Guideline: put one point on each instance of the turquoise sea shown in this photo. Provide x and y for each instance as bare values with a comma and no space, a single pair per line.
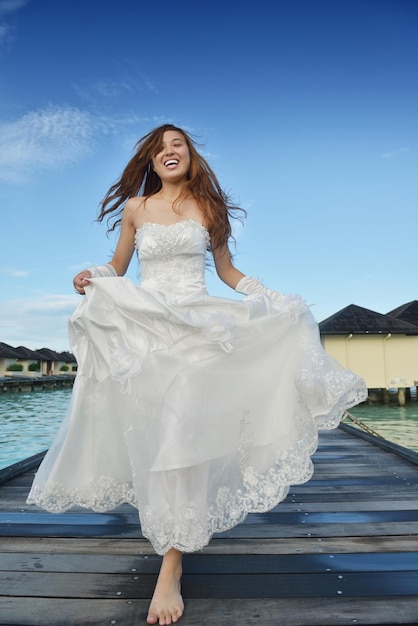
395,423
29,421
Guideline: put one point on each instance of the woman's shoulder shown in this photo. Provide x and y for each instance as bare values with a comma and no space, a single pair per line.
133,205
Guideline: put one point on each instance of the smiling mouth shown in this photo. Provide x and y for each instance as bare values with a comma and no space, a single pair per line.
171,162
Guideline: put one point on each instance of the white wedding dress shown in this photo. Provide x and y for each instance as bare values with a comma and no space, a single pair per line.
194,409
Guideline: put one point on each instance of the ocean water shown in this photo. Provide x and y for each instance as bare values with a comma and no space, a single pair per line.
29,421
395,423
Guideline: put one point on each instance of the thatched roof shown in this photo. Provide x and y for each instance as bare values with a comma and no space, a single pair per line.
407,312
359,321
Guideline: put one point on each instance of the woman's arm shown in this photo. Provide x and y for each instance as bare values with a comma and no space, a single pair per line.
123,253
236,279
126,242
224,268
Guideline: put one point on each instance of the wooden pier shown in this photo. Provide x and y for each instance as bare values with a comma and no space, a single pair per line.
34,383
340,550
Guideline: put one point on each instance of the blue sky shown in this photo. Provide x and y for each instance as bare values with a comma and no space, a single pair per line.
307,110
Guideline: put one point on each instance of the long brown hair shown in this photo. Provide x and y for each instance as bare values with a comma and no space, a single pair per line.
139,179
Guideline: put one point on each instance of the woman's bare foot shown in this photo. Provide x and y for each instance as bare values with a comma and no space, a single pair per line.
167,604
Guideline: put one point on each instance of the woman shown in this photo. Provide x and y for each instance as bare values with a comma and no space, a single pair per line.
195,409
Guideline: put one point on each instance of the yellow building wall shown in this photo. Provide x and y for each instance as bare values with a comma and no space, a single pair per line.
4,364
381,360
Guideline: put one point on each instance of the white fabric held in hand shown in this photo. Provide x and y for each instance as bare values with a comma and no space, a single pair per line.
103,271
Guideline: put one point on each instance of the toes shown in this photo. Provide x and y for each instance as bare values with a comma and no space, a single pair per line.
164,619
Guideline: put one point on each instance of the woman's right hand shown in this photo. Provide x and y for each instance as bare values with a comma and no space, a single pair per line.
81,280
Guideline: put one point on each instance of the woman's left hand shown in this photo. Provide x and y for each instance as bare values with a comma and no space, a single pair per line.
81,280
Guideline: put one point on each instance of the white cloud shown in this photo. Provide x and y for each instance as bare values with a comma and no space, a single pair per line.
14,272
11,6
6,37
388,155
43,140
149,83
130,79
52,138
37,322
50,304
104,89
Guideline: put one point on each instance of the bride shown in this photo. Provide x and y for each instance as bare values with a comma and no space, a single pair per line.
194,409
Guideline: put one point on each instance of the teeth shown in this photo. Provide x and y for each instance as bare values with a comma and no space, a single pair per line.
171,162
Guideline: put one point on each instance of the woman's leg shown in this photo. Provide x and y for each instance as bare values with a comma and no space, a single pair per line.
167,604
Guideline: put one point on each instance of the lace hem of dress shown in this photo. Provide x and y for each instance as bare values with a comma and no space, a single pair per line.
101,495
190,531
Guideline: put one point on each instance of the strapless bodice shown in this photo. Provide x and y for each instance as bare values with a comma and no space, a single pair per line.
172,258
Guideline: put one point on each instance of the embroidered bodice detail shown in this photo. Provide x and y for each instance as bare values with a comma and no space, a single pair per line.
172,258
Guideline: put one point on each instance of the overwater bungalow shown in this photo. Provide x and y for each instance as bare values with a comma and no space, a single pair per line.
382,349
22,361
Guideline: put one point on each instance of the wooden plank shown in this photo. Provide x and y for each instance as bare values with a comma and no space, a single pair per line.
226,612
386,445
339,498
276,516
405,493
75,530
352,506
306,545
363,460
281,585
213,564
83,545
332,517
309,585
351,529
366,483
318,530
338,492
12,471
266,531
311,545
74,517
330,530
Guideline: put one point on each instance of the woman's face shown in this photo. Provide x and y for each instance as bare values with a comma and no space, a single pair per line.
172,161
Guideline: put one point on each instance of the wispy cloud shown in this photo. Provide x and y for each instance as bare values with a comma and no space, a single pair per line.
11,6
149,83
43,140
129,80
104,89
50,139
50,304
7,9
37,322
4,33
388,155
14,272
